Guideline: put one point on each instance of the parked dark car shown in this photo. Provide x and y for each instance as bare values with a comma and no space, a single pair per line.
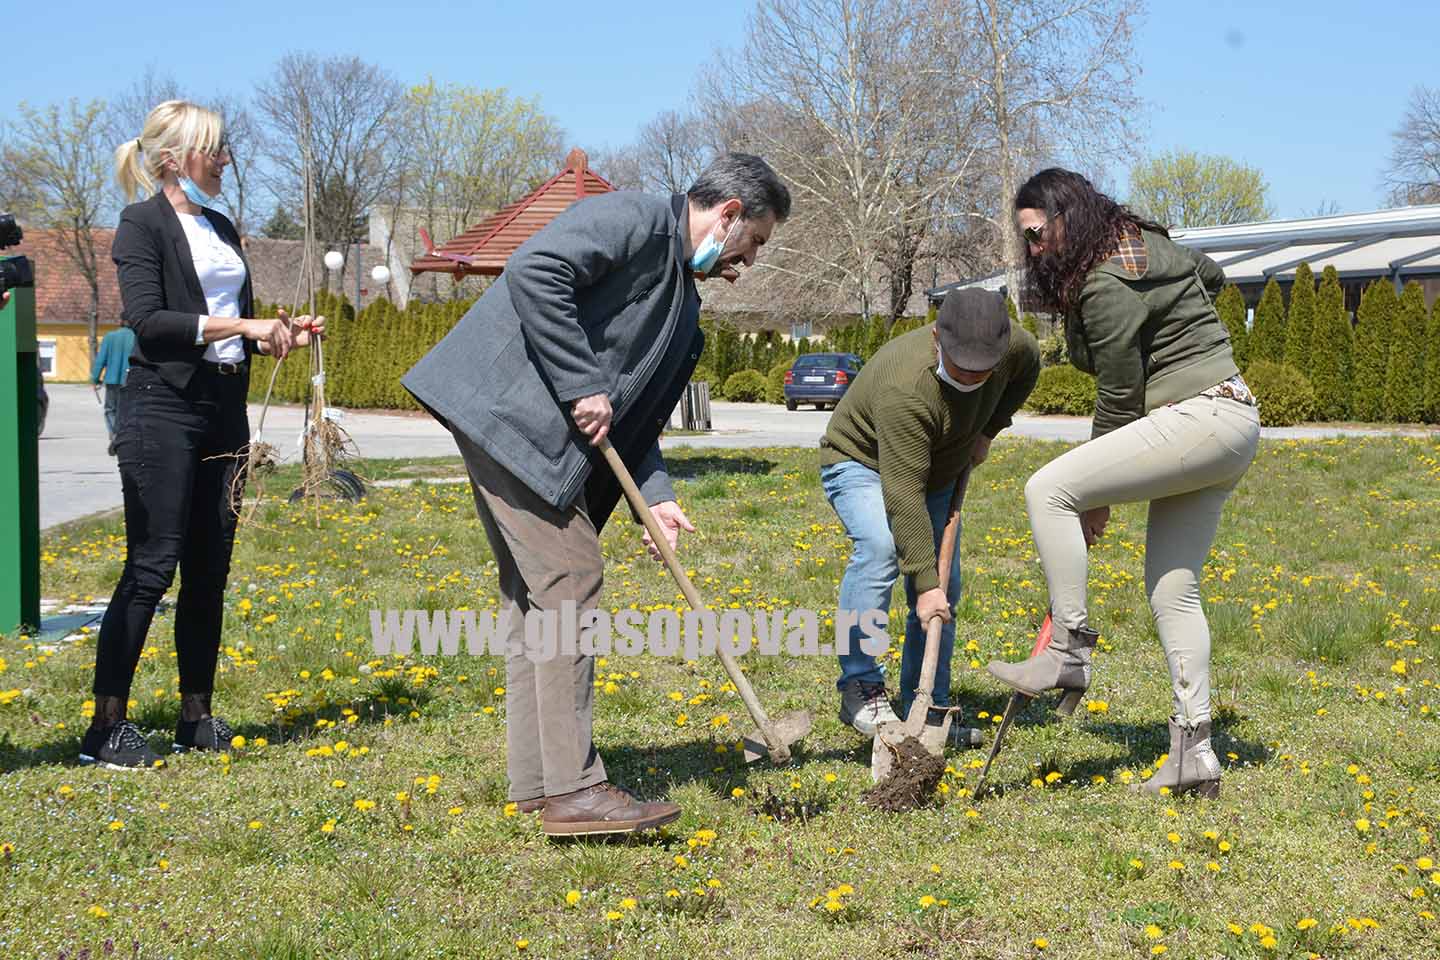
819,378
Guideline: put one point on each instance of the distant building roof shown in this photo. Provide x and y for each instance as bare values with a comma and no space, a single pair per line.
62,294
1401,243
994,282
485,247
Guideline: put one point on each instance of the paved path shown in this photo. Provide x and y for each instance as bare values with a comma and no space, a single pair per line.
78,478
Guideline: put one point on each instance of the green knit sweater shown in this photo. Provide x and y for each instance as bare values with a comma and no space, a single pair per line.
899,419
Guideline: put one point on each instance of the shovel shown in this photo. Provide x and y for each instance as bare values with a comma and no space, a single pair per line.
777,736
1017,700
933,737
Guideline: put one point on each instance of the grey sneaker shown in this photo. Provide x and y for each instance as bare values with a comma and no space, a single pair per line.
865,707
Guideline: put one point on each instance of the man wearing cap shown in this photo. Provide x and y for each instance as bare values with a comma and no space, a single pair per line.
922,412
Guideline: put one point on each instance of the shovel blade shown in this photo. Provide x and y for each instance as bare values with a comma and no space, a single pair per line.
788,729
882,750
935,737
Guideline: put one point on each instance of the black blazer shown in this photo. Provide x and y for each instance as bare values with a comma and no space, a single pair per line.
160,290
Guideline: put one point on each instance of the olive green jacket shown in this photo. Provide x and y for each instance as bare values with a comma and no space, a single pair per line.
1146,327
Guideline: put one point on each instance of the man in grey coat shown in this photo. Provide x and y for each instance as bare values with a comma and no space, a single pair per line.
592,331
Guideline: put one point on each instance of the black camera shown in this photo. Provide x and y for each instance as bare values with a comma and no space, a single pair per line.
14,271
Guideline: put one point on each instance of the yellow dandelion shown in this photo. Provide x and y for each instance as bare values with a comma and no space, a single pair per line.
572,897
1306,923
1153,931
927,901
1040,943
522,944
117,824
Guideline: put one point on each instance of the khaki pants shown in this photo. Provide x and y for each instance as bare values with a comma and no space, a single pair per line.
546,556
1185,459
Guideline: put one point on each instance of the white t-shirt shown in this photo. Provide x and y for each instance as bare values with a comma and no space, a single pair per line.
222,277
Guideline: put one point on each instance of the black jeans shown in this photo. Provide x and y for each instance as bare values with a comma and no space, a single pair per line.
177,455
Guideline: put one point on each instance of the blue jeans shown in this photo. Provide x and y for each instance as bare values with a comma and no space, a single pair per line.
853,489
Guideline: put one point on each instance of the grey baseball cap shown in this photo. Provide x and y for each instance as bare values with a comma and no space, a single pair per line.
974,328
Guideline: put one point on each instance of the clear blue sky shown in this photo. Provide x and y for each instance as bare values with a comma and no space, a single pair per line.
1306,91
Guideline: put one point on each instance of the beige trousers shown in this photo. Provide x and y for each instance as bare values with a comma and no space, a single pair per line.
1185,459
546,556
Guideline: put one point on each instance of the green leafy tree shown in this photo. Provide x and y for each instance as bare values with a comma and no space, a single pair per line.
1432,365
1267,336
1185,189
1330,350
1372,350
1231,307
1300,321
1405,374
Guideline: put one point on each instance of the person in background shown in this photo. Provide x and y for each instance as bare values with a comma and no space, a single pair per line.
112,363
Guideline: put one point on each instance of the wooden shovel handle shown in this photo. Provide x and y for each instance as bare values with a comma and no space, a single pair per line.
779,752
924,693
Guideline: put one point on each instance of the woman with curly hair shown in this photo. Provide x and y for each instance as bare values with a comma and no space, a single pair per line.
1175,425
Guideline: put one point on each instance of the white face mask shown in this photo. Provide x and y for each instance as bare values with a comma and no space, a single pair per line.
944,375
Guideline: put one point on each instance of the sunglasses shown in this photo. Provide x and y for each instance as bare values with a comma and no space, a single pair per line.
1035,235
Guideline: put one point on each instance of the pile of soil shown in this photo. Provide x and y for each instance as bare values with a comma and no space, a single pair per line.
912,781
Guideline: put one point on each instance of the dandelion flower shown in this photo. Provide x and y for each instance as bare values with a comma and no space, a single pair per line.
572,898
1306,923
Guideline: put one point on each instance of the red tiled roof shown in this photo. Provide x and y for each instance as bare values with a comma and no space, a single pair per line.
63,296
488,244
61,293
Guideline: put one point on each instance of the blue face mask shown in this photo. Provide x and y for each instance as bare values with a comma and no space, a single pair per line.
704,258
194,194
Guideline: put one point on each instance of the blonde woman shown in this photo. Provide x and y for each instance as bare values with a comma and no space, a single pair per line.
185,285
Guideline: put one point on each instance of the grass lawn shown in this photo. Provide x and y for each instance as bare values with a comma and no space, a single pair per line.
365,814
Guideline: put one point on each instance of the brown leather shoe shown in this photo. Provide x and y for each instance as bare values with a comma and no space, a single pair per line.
603,808
530,806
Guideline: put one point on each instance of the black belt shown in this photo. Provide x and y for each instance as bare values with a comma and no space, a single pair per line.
225,368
